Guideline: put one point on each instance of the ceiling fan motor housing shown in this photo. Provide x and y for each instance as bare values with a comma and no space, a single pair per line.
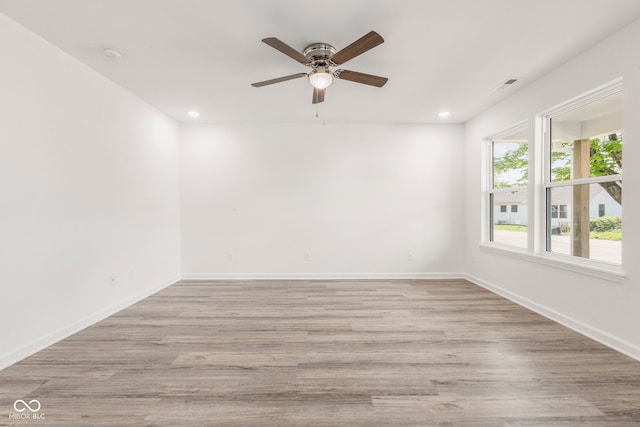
319,54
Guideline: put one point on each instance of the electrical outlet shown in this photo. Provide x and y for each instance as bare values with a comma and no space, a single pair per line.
307,256
113,282
410,257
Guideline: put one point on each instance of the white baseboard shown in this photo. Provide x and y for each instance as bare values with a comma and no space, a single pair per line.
41,343
595,334
322,276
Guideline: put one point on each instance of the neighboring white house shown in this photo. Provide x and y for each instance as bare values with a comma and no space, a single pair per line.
602,204
512,209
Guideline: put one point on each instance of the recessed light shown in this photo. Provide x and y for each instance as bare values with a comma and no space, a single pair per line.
193,114
443,114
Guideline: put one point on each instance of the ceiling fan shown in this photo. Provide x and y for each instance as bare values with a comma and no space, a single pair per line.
320,57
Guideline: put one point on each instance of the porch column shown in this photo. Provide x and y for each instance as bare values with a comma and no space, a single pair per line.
581,169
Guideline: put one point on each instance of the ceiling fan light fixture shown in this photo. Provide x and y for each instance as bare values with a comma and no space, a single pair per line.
321,79
320,57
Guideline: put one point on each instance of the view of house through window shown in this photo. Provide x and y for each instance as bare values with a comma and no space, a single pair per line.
584,185
508,189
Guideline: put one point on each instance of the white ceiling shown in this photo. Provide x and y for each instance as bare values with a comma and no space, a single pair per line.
438,54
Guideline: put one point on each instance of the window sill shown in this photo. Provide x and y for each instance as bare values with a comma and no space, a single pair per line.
601,270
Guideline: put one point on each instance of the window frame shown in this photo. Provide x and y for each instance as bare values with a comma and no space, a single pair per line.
547,184
490,191
539,174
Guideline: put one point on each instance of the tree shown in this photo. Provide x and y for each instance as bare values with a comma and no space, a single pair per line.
605,159
514,161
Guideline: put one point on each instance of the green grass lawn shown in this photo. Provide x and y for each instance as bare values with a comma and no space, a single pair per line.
606,235
510,227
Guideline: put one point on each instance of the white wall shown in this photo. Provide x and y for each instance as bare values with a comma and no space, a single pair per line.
604,310
358,198
89,188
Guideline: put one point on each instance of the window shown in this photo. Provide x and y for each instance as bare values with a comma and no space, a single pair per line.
562,210
558,211
509,160
583,178
558,199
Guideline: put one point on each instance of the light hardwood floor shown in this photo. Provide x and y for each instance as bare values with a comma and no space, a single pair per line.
326,353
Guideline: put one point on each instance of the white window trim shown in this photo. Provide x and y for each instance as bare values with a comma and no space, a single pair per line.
539,181
606,89
600,270
543,180
487,187
594,180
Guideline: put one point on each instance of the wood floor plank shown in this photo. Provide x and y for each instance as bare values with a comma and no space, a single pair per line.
326,353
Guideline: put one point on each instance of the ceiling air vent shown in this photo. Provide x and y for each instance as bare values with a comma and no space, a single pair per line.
506,84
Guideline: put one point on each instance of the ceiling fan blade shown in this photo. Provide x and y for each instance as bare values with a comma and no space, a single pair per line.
279,79
318,95
358,47
286,49
367,79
